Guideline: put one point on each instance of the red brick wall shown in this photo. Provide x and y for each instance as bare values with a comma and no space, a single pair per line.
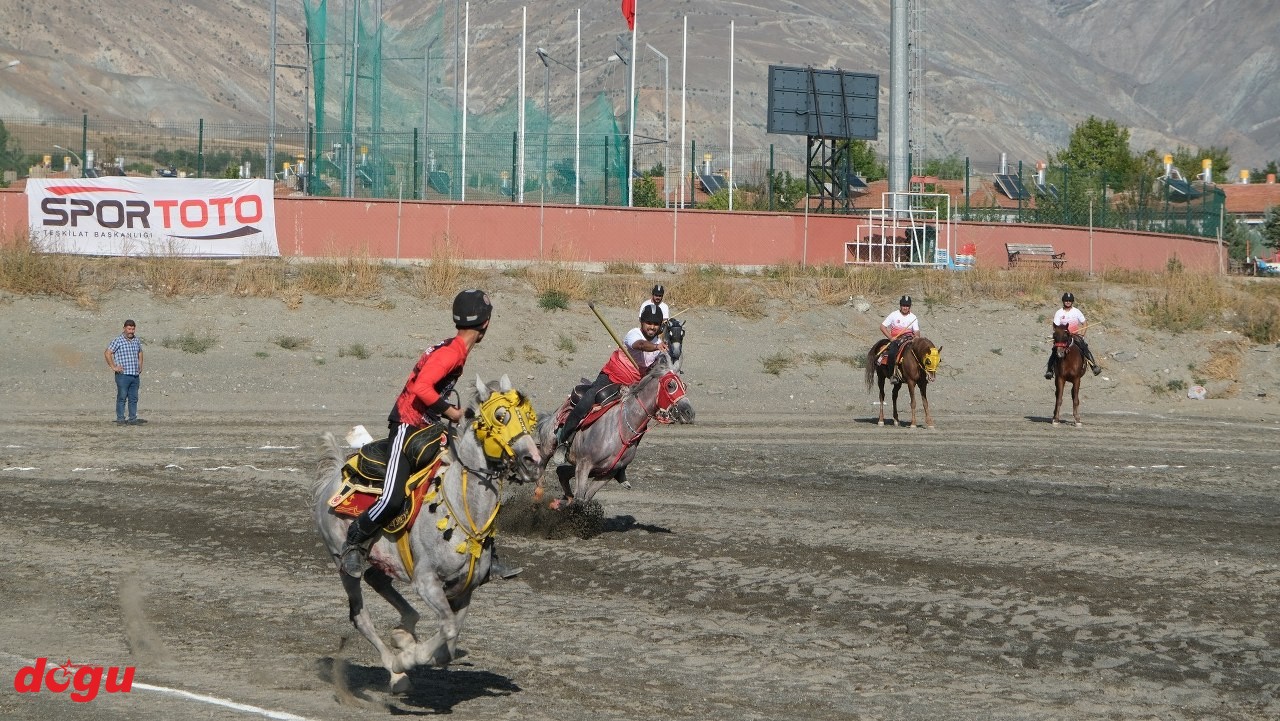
497,231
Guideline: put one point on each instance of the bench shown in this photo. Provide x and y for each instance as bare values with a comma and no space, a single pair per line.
1030,253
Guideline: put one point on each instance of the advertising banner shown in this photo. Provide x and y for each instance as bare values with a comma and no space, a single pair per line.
153,217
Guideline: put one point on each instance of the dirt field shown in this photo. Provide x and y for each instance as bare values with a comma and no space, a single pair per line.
785,558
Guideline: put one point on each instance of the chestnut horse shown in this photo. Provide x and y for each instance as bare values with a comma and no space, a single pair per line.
1068,367
918,367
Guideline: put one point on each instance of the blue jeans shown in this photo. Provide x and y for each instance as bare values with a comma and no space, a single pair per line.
126,390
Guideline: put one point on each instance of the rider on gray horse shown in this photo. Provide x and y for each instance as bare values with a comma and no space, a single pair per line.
643,348
422,406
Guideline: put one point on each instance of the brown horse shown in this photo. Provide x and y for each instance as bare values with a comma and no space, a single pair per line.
1068,367
917,368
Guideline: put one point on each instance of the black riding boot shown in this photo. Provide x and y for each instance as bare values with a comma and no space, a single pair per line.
355,552
1088,355
1048,369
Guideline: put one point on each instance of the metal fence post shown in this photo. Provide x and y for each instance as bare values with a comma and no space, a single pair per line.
515,160
200,150
693,165
769,184
84,139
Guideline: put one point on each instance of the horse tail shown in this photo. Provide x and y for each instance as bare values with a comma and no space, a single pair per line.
869,370
329,467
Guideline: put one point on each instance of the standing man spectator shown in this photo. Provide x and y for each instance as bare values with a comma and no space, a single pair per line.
124,358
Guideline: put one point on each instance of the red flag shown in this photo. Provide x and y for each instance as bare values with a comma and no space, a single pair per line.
629,12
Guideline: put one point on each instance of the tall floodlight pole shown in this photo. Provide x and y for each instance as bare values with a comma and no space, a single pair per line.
349,166
546,107
666,124
271,103
466,58
684,78
731,37
898,173
631,111
577,118
518,195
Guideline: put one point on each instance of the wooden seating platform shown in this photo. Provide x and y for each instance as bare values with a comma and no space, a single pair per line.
1034,254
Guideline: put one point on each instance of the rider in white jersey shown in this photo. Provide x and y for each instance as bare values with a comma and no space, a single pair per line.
1070,316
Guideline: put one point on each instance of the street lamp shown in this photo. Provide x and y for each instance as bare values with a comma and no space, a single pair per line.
666,124
546,106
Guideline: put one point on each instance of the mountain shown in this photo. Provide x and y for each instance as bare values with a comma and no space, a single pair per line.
999,76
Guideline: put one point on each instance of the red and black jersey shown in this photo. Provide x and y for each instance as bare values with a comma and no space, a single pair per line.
424,398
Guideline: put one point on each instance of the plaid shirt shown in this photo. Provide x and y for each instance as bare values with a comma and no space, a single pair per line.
126,352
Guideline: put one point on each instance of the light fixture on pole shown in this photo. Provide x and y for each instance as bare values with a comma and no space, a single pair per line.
666,124
546,107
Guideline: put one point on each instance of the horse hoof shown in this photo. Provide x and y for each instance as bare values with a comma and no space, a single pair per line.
402,639
1078,424
1054,422
400,683
537,495
880,422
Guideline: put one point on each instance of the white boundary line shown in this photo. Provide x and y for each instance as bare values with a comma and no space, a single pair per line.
213,700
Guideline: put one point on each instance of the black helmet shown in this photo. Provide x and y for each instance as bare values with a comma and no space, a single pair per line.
650,313
658,290
471,309
905,300
1068,296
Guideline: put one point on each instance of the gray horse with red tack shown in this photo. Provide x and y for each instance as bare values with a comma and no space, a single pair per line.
606,442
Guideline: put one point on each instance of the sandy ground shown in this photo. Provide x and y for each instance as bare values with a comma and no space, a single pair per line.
782,558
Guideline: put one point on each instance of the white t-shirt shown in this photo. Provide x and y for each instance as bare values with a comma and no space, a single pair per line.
666,312
897,323
1073,318
643,358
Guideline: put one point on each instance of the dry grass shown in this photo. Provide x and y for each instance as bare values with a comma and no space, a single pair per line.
351,276
260,278
444,276
1182,302
1225,358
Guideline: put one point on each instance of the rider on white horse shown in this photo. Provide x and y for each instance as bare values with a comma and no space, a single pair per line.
643,348
422,404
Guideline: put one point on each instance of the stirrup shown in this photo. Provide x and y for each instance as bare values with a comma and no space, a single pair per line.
498,569
1048,375
1097,369
354,560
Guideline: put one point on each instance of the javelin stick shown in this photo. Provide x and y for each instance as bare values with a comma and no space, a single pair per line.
613,335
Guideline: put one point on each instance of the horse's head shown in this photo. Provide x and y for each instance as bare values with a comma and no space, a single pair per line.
671,404
1061,339
503,423
673,334
930,360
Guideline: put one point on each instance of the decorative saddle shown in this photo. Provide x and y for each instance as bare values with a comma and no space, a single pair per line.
605,399
364,475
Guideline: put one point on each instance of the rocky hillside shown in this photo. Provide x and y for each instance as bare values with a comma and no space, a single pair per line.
999,76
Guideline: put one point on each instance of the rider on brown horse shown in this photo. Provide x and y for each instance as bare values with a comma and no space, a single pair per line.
899,327
1071,317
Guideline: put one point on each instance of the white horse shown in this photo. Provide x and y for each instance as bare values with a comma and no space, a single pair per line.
447,552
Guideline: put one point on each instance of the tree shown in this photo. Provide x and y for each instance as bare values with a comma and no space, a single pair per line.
1190,162
1258,175
863,160
1271,228
647,193
1100,147
11,157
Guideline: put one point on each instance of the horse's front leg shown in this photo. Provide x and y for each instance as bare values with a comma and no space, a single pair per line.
924,400
896,387
1057,404
438,649
1075,399
564,472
